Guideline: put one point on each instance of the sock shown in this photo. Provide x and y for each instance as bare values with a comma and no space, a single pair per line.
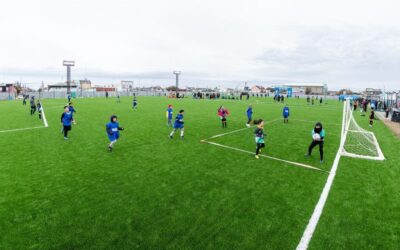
112,143
172,133
182,133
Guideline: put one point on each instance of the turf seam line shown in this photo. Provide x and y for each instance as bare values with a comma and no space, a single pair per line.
266,156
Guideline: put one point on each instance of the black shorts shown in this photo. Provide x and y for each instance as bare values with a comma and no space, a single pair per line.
223,119
67,128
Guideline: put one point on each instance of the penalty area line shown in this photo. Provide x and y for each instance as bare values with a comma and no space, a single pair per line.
266,156
238,130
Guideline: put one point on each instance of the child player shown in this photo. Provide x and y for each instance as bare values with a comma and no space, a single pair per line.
249,113
259,136
33,105
223,113
134,103
179,124
71,108
39,108
371,117
286,114
169,115
112,129
66,121
318,136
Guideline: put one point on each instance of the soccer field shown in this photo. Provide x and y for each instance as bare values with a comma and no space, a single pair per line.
152,192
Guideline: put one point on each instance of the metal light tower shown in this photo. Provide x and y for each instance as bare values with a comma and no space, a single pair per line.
68,64
177,73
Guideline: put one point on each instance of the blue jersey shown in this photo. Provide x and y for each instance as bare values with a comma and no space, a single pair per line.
72,109
169,111
179,121
249,112
112,129
285,112
66,118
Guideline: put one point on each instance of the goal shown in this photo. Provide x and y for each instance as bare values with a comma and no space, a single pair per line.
358,142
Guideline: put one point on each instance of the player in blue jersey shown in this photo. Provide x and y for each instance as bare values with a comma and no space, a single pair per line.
259,137
249,113
71,108
112,129
318,137
169,114
179,124
66,121
286,114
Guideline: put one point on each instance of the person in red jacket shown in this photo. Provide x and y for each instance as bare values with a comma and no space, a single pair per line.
223,113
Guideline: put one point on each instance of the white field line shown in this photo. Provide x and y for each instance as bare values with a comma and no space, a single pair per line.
266,156
313,222
20,129
44,118
237,130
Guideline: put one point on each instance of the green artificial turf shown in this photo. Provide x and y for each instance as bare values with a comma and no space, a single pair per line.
155,193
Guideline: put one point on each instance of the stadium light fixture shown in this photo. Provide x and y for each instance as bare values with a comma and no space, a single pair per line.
68,64
177,73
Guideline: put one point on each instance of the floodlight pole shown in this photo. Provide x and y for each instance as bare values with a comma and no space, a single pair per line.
68,64
177,73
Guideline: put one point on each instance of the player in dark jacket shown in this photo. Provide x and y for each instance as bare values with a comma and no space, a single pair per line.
259,137
318,137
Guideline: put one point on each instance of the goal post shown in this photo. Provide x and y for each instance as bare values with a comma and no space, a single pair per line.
358,142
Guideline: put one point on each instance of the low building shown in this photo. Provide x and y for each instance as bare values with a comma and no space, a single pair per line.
307,88
372,93
61,86
85,84
258,89
8,88
105,89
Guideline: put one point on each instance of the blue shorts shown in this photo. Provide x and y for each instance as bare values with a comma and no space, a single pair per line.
113,137
178,126
285,116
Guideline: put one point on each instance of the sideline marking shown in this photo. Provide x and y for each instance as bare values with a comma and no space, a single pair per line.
316,215
238,130
44,118
20,129
266,156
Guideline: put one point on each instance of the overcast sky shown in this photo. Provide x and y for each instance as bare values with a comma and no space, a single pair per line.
344,43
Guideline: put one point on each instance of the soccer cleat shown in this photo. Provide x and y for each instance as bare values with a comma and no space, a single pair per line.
65,138
182,137
170,137
110,148
307,155
321,161
248,125
257,157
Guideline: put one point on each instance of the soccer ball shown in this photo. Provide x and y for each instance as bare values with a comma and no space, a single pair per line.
316,137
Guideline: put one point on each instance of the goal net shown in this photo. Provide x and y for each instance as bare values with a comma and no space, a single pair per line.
358,142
